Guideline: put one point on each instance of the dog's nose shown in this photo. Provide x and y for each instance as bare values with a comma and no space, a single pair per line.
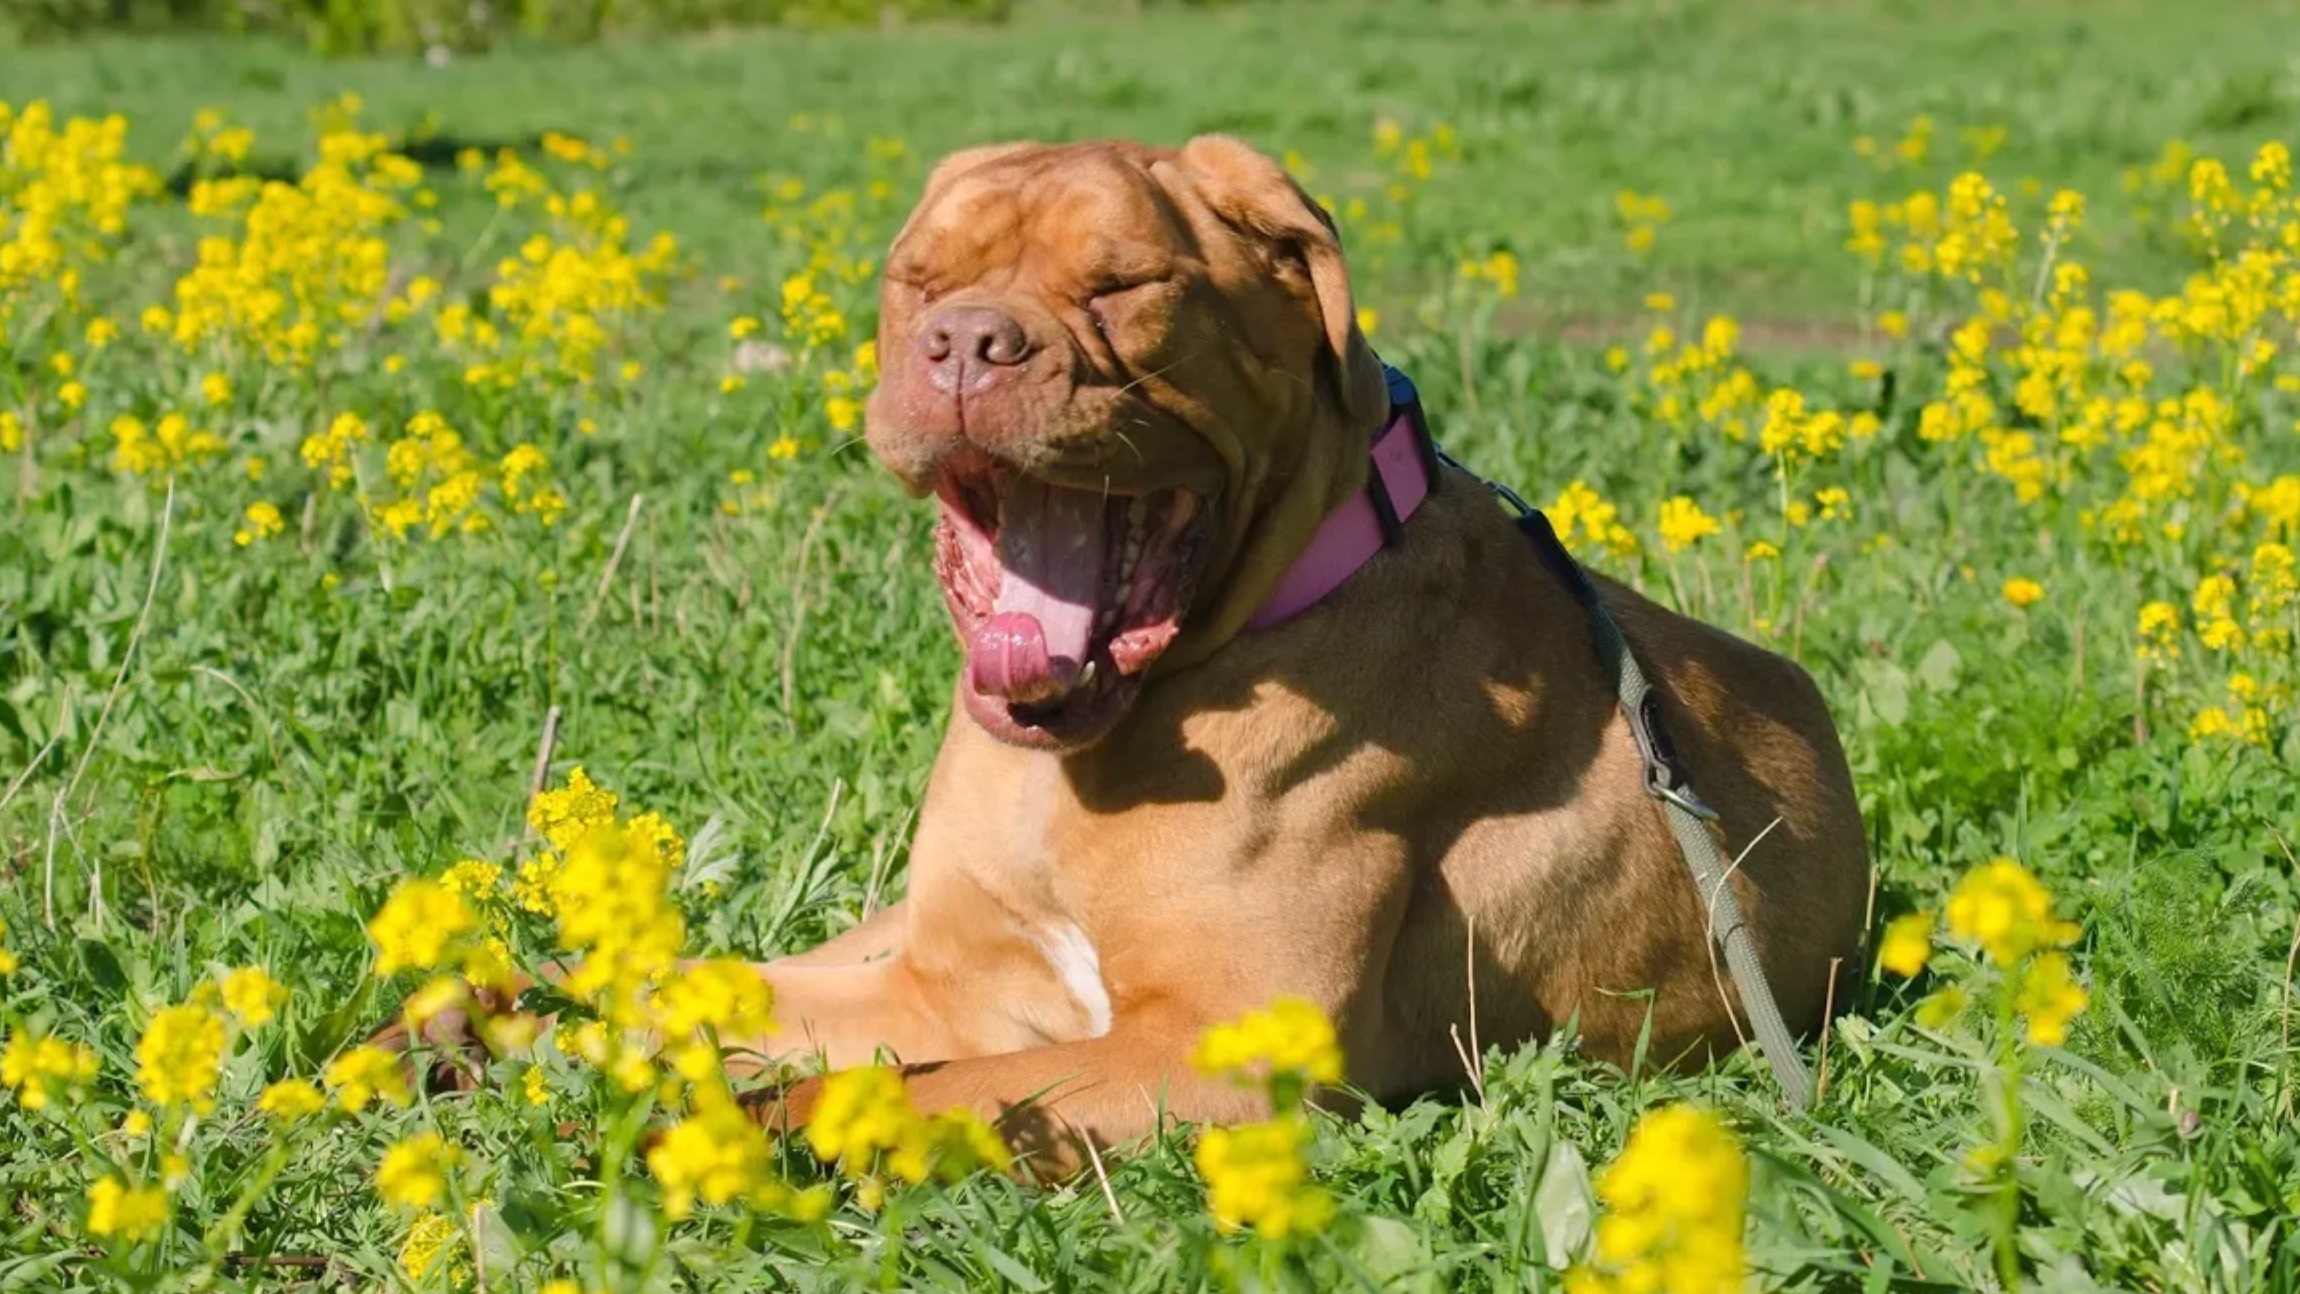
976,337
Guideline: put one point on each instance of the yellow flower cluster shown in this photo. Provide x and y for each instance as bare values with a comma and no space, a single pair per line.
431,1238
181,1056
1291,1036
65,195
414,1173
1961,233
1257,1174
2023,592
1497,268
1580,510
40,1069
554,304
311,260
1675,1202
130,1212
2003,909
2135,409
436,482
1698,383
418,926
1683,524
162,448
2001,906
1641,216
358,1077
864,1121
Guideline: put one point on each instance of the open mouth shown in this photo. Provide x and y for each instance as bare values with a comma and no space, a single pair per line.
1062,597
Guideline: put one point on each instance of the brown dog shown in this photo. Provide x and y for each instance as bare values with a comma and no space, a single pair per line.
1134,383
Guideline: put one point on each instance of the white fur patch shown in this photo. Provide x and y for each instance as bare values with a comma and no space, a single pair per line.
1079,967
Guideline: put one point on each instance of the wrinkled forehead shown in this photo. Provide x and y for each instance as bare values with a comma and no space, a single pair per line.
1080,210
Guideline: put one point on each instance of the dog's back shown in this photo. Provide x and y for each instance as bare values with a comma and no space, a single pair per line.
1549,875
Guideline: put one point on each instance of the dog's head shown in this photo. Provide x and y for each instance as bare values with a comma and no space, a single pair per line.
1134,381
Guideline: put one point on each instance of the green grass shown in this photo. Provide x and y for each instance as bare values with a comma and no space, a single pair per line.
1742,116
232,761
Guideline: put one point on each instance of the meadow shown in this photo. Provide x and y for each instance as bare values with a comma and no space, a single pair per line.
371,428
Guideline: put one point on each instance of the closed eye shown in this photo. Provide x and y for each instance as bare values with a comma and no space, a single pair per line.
1099,299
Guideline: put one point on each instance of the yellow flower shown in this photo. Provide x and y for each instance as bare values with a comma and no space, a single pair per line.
439,995
264,520
36,1069
430,1238
181,1056
566,814
715,1156
416,926
2050,997
1763,551
1908,944
535,1086
2023,593
1256,1176
2002,907
1683,524
215,389
727,997
843,411
413,1173
864,1118
1660,302
1893,324
1369,319
2159,630
253,996
137,1125
290,1099
743,326
1290,1037
365,1074
131,1213
1675,1202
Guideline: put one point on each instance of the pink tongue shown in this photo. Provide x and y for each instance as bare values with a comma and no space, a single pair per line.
1050,548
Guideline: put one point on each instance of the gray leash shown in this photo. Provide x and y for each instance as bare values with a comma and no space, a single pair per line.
1689,817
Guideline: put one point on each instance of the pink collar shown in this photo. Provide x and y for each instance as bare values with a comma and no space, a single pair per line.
1401,475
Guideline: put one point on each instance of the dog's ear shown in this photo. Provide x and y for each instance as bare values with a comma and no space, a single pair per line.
1254,194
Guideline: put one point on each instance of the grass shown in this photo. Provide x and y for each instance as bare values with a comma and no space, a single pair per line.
230,754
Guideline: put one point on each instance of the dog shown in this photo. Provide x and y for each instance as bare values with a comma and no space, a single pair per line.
1174,788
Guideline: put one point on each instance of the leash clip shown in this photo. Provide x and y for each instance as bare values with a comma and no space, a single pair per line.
1664,780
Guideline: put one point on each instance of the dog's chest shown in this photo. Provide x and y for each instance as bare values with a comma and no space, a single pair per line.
1042,901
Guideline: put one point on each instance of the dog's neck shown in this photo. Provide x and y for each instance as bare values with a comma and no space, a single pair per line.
1400,473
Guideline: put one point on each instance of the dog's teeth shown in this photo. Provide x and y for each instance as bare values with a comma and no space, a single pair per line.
1086,676
1137,508
1125,590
